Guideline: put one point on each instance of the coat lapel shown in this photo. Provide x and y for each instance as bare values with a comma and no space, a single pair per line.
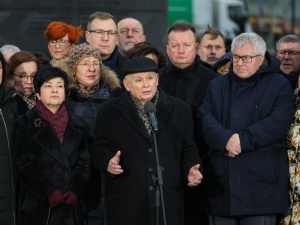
127,109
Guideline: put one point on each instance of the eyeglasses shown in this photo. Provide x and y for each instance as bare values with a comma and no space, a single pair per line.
100,33
245,58
290,53
61,42
87,65
24,77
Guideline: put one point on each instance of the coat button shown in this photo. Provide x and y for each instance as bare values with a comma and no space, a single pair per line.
150,169
151,188
150,150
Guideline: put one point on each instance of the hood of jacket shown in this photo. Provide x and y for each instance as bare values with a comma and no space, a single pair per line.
270,65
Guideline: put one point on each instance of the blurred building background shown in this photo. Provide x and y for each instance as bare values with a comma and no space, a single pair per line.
273,19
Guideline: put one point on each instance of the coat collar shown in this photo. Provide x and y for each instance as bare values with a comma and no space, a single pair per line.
127,109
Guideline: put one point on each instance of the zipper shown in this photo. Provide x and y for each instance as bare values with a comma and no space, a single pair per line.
11,169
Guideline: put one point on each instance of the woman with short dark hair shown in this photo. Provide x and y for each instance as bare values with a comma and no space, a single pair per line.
51,155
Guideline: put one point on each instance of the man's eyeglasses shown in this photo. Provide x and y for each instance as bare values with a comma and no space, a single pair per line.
87,65
61,42
245,58
100,33
290,53
24,77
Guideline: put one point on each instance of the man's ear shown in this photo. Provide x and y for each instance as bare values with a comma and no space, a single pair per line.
126,84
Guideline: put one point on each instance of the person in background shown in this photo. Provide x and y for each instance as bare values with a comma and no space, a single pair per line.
131,32
8,51
187,79
145,49
211,46
123,149
22,68
222,65
102,34
8,180
288,52
91,86
245,117
61,37
51,155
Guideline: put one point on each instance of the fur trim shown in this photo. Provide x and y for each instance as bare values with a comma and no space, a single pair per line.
108,75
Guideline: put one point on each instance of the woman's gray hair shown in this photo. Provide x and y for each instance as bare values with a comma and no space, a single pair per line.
256,41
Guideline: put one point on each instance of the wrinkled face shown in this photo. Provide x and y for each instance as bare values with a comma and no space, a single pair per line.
242,69
23,77
289,62
210,50
88,71
106,43
59,49
52,93
1,72
182,48
142,86
130,33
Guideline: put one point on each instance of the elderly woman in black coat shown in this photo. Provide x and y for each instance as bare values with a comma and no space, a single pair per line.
51,154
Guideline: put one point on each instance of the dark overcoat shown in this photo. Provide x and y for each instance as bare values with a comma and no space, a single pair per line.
8,178
131,195
259,109
45,165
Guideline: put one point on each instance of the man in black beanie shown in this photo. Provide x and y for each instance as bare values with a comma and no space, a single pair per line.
125,149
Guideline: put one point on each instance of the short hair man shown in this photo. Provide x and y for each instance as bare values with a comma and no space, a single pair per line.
185,78
131,32
102,33
211,46
288,52
124,149
245,117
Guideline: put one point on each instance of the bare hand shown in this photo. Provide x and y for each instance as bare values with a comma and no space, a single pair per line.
194,176
233,146
113,165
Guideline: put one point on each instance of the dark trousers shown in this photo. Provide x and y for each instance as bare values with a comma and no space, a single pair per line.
243,220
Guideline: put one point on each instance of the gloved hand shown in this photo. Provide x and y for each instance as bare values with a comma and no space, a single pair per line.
56,198
70,198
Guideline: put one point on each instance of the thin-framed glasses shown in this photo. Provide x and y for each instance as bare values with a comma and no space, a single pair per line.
245,58
61,42
283,53
24,77
100,33
87,65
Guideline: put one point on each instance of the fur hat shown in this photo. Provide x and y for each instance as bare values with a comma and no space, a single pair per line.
81,51
139,64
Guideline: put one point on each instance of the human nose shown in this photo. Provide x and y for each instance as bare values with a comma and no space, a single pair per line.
105,35
92,67
29,80
286,55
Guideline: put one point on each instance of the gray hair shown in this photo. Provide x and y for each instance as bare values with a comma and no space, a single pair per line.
256,41
288,39
9,48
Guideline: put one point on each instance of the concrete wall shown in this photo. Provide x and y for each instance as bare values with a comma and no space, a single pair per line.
22,23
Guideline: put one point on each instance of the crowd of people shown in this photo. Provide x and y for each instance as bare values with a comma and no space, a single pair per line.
79,146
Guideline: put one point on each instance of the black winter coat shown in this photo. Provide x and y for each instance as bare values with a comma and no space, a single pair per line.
8,178
45,165
260,109
131,195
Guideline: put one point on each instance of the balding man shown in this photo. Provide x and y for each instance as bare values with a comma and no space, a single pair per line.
130,32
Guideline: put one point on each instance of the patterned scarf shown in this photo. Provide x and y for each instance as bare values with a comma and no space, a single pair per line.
30,101
58,121
89,91
140,109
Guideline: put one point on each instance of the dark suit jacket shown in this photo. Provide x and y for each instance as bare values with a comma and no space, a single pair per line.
131,195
